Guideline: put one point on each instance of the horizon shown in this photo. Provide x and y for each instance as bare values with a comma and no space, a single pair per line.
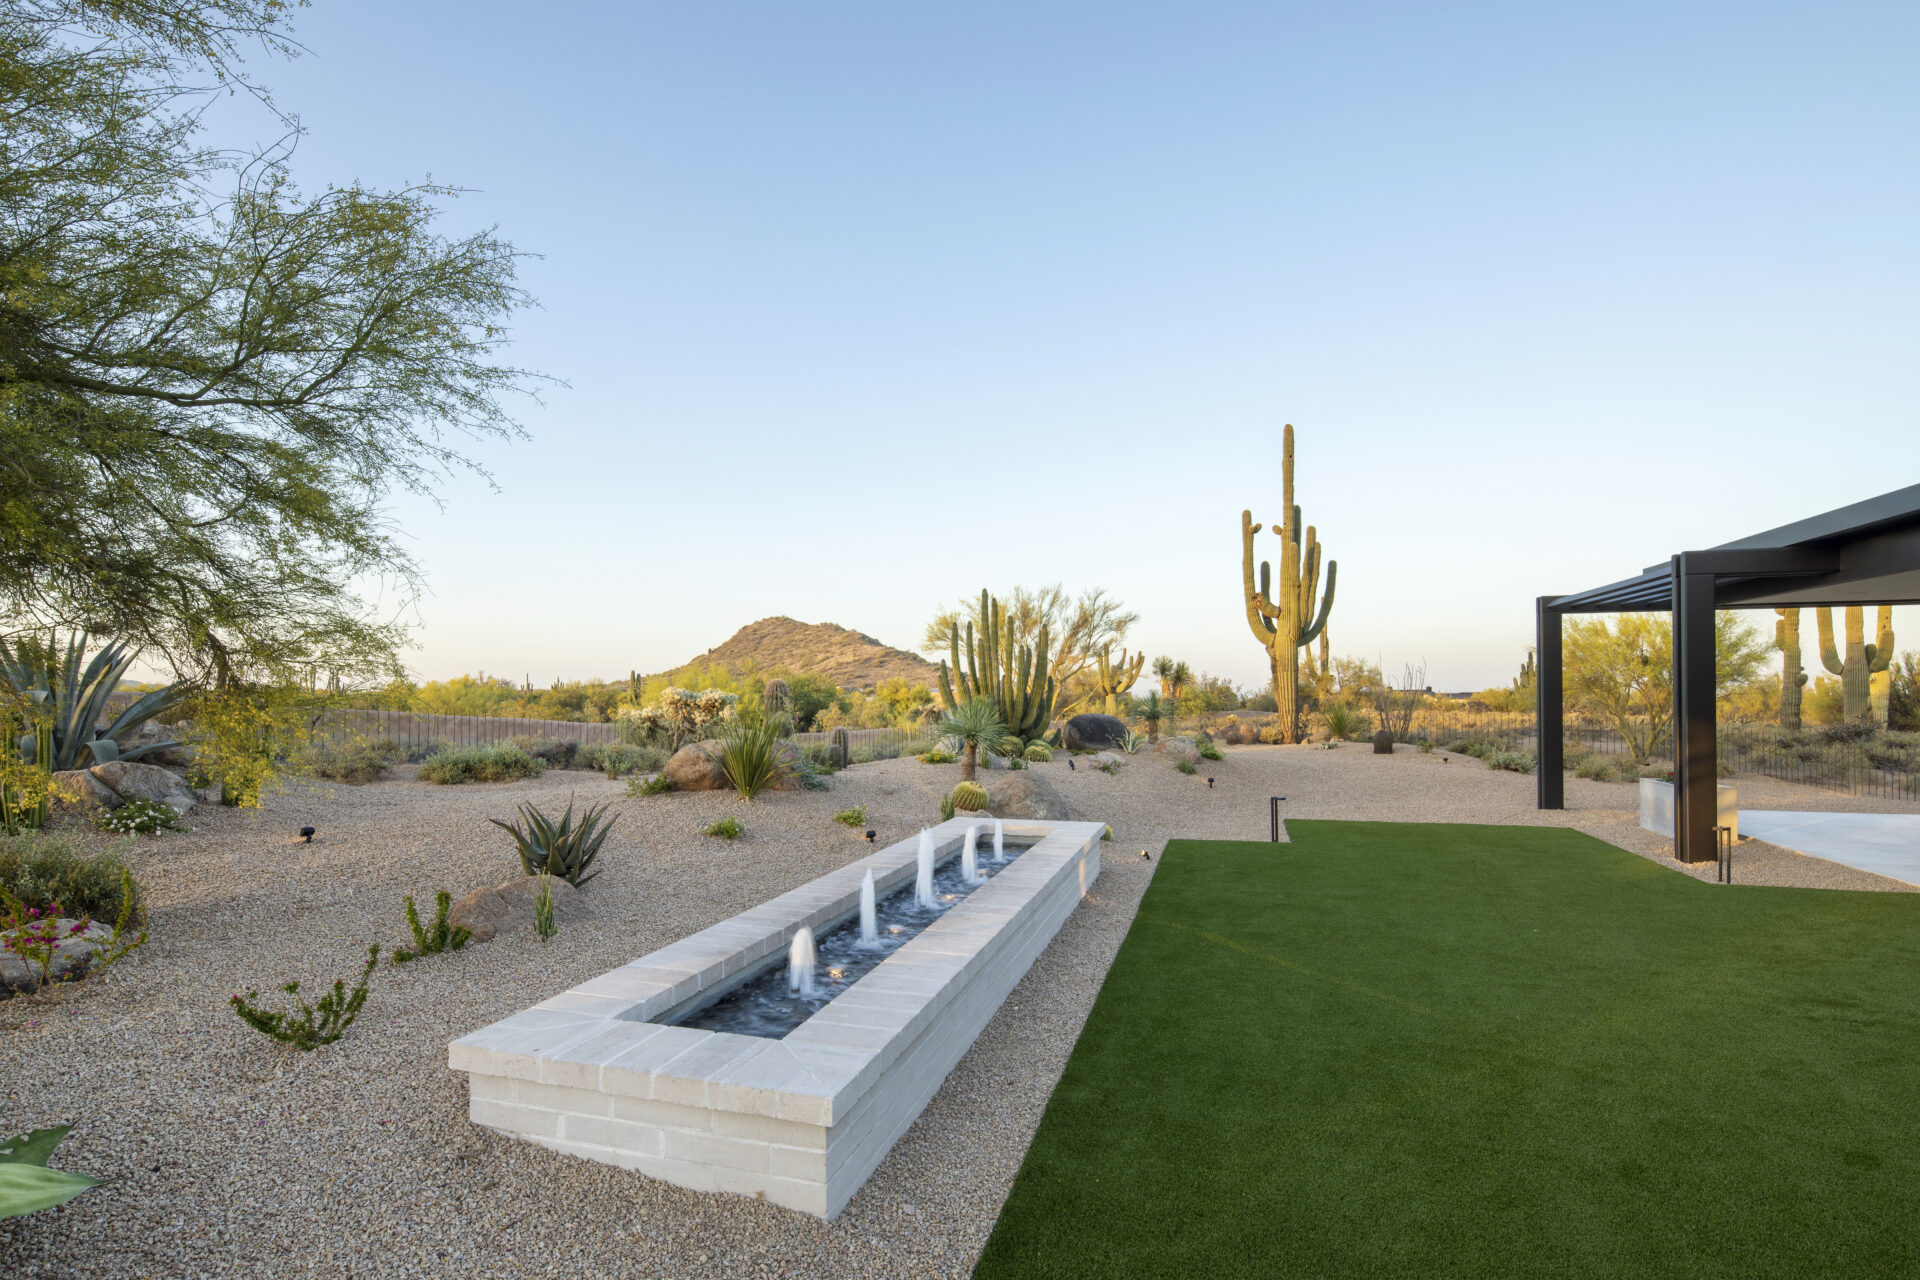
1547,296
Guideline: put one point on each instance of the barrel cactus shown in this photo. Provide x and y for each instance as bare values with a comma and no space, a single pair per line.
775,697
1038,752
969,796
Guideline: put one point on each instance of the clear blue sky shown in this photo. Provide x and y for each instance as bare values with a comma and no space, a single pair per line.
863,307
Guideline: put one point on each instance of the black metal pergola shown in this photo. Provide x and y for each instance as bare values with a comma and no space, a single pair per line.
1866,553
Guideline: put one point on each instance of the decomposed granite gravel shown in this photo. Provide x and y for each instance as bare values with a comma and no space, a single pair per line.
229,1155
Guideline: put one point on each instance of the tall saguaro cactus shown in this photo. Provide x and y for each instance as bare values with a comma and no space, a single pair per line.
1017,678
1285,621
1793,677
1862,662
1115,678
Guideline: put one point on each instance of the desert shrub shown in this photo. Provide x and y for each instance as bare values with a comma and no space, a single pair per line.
938,755
356,760
1038,752
969,796
1848,731
431,941
753,755
658,785
558,755
1342,720
728,828
136,818
1599,768
617,759
502,763
855,817
310,1025
559,848
1203,743
1512,761
1186,766
1478,748
41,870
1272,734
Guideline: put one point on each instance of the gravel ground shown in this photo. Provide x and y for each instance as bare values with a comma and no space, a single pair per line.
229,1155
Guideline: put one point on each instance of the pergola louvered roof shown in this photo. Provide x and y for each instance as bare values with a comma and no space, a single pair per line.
1864,553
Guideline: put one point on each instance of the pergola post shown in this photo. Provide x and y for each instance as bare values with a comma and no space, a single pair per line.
1695,748
1549,782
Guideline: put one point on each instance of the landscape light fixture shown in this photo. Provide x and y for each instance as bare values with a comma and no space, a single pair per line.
870,836
1209,784
306,833
1070,767
1273,805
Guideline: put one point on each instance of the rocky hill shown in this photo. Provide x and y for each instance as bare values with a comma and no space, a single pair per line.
850,659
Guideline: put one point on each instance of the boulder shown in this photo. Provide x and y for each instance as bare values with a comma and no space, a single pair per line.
696,767
136,780
1383,743
1026,794
79,789
71,956
506,907
179,755
1092,732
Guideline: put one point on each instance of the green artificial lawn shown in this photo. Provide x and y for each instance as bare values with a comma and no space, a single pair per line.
1423,1050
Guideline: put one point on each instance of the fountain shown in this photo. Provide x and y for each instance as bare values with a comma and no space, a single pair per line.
970,857
923,885
869,920
999,841
800,963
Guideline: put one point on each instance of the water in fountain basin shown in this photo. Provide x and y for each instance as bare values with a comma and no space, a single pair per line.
970,857
800,958
765,1006
869,923
923,884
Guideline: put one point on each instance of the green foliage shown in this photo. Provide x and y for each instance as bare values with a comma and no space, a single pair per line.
215,381
728,828
657,785
947,807
970,796
854,817
136,818
309,1026
1512,761
1601,768
1038,752
44,870
1153,710
976,726
617,759
937,755
431,941
1621,673
504,762
1343,722
558,753
544,922
1132,742
1106,834
26,1184
354,760
75,698
559,848
754,755
1186,766
1206,747
1014,679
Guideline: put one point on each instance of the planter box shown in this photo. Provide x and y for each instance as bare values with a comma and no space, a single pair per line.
804,1119
1656,806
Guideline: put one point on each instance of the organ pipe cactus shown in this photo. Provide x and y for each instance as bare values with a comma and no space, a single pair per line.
1286,621
1116,678
1793,677
1861,662
1018,680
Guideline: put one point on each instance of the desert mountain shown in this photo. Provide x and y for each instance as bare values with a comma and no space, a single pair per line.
850,659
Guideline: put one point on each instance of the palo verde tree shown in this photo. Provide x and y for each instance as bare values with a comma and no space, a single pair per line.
211,381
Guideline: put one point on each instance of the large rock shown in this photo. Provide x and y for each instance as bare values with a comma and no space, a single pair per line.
136,780
1026,794
179,756
696,767
1093,732
79,789
72,955
509,906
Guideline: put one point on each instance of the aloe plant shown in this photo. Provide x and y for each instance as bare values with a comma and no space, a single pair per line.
26,1184
560,848
75,696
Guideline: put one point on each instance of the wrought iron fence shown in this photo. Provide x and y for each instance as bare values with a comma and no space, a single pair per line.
419,734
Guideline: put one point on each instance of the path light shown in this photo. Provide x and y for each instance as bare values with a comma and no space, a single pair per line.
1274,805
1070,768
306,833
870,836
1209,784
1146,855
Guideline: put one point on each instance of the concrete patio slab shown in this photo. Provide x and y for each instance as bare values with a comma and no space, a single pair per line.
1886,844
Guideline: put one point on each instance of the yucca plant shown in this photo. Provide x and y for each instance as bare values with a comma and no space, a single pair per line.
753,754
75,692
559,848
975,725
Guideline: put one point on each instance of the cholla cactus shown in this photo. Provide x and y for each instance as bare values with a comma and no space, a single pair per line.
689,714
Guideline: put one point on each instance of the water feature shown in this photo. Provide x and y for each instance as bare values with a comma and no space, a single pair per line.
923,883
800,958
999,842
970,857
869,922
768,1004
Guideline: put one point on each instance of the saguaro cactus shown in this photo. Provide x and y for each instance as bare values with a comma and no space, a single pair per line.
1115,678
1861,663
1285,621
1017,678
1793,677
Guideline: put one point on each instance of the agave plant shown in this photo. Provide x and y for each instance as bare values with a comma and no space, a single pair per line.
75,695
559,848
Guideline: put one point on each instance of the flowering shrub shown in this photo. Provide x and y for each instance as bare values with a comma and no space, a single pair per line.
35,934
136,817
310,1025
